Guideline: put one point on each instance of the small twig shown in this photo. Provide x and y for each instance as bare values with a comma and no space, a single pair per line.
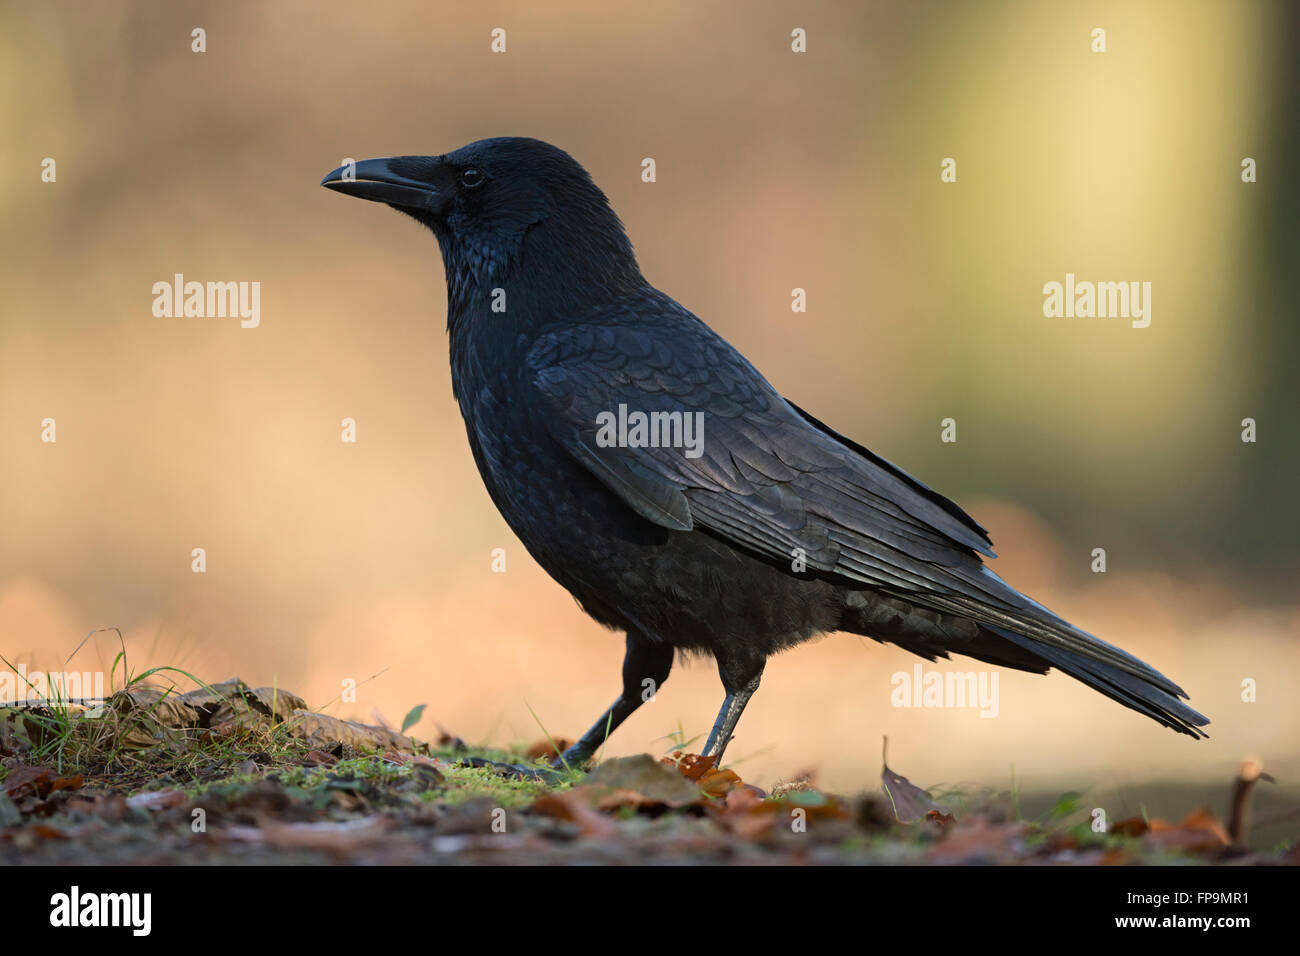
1252,769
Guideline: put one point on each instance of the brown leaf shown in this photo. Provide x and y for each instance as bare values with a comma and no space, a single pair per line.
717,783
220,731
940,819
275,702
748,815
23,780
323,732
246,709
572,806
645,775
157,800
314,836
154,707
111,807
704,772
1132,827
741,800
753,826
1198,832
690,766
214,695
150,714
1062,840
976,841
745,814
544,748
67,783
609,801
319,758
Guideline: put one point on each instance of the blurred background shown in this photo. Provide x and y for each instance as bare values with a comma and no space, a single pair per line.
329,561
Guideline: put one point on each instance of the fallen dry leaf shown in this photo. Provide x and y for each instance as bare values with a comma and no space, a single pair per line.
741,800
690,766
323,732
24,779
910,802
611,800
148,715
38,781
704,772
976,841
1198,832
645,775
319,758
155,705
940,819
572,806
315,836
157,800
1132,827
717,783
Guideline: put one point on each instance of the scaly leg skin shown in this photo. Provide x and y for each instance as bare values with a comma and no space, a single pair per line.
740,677
643,661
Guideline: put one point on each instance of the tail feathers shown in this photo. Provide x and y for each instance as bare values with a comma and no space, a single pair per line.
1044,629
1143,695
1029,639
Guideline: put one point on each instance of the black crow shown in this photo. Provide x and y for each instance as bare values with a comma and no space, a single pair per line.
655,474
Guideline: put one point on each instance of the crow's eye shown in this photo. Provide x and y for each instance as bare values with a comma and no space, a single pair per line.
471,178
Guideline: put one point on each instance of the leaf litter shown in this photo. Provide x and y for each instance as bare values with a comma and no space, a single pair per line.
230,773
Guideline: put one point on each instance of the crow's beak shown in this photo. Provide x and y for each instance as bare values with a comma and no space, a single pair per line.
376,180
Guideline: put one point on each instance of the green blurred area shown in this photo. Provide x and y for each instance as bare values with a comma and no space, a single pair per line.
1122,165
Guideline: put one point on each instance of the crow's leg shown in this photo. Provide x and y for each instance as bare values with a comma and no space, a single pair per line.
740,676
645,668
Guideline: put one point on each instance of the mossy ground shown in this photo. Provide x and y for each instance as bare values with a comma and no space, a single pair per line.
226,774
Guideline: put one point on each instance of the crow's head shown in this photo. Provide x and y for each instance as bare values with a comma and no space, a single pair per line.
507,212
